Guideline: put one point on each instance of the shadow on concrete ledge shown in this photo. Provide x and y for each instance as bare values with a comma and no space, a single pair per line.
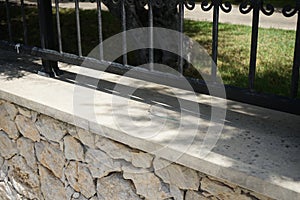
13,65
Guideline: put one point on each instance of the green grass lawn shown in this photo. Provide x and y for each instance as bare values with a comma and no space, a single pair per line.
275,49
274,59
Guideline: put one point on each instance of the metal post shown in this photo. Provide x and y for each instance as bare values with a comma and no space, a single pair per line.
124,28
181,15
24,23
100,30
254,37
296,64
151,50
58,26
47,37
216,5
7,5
78,28
215,33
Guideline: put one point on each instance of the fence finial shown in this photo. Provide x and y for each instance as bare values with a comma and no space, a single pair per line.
17,46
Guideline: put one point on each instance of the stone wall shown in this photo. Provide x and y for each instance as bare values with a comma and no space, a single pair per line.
43,158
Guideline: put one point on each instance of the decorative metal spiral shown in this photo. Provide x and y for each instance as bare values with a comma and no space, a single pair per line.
269,10
206,6
225,7
189,4
288,11
248,5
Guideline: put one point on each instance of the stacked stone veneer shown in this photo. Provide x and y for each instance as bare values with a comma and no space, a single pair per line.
43,158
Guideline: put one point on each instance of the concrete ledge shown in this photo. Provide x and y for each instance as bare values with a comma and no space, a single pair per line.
258,148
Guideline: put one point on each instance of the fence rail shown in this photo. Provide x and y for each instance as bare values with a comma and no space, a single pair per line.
50,56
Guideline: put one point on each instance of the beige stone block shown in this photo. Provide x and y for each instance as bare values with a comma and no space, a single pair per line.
50,157
8,147
51,187
114,187
23,178
26,149
73,149
177,175
52,129
80,179
27,128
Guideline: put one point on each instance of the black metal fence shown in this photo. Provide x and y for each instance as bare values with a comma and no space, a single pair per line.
50,55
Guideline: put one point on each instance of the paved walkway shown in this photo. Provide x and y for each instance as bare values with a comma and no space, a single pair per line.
277,20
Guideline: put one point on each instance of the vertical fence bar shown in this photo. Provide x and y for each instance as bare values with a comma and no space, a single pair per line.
47,37
58,26
100,29
24,22
78,27
124,41
7,5
296,64
181,15
254,38
151,51
215,33
42,22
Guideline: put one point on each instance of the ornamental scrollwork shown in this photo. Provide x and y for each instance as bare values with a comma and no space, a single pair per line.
248,5
189,4
288,11
225,6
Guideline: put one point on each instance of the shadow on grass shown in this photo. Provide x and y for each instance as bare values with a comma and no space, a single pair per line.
14,66
88,25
